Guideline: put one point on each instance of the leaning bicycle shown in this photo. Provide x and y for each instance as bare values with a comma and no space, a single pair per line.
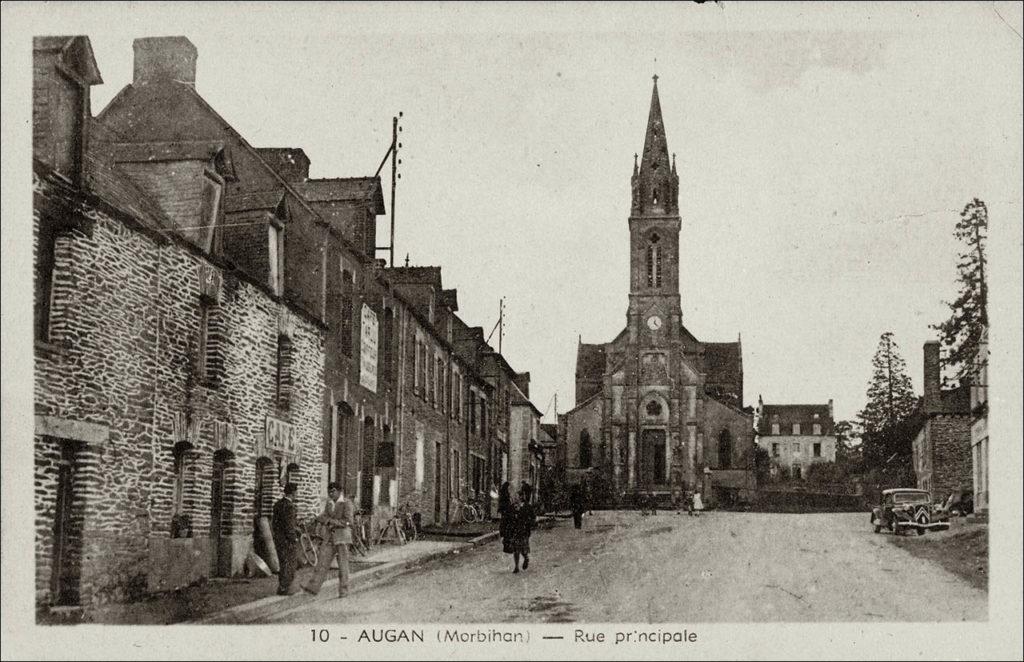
464,511
310,538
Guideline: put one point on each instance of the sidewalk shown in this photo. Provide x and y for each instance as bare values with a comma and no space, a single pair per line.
382,562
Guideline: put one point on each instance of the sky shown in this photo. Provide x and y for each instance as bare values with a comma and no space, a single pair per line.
823,161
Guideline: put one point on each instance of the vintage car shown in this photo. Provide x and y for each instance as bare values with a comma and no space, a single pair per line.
906,509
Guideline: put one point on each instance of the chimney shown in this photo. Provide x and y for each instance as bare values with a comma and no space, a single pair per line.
831,413
522,380
164,59
932,378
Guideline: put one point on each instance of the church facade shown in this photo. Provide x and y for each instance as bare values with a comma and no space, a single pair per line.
658,410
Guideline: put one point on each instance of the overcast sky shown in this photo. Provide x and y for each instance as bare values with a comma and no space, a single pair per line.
822,163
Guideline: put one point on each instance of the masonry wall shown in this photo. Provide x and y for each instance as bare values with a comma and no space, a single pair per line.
949,438
122,368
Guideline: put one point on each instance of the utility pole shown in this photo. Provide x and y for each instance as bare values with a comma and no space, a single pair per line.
395,176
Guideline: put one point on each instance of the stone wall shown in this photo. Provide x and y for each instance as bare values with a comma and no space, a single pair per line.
125,334
949,439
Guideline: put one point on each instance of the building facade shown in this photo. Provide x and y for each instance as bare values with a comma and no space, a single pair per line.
796,436
658,410
212,324
979,426
942,446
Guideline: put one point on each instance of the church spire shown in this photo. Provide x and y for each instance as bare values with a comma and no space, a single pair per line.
655,184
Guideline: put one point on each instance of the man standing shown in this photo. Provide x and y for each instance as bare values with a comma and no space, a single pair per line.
337,517
576,505
285,528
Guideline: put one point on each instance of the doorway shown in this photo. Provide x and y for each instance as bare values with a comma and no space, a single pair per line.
652,458
367,466
221,512
66,578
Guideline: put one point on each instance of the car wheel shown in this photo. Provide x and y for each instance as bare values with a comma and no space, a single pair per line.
878,528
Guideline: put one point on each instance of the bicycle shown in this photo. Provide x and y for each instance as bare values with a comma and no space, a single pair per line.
360,535
392,530
310,538
464,511
410,525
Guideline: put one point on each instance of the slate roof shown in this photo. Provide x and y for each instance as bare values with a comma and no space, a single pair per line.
429,275
344,189
590,362
790,414
253,200
723,363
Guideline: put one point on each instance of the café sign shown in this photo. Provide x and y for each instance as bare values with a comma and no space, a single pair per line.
279,437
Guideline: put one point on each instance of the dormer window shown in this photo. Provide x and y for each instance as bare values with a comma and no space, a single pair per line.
209,216
275,256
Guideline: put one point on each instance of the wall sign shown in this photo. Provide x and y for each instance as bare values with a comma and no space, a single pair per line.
278,436
368,349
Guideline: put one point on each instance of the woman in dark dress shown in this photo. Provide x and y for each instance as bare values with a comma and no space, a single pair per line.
524,519
505,512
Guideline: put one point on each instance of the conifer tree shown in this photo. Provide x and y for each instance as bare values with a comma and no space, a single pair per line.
891,398
961,333
887,419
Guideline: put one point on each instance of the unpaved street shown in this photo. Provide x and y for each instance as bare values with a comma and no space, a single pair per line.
720,567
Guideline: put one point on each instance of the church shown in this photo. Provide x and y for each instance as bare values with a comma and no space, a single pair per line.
657,410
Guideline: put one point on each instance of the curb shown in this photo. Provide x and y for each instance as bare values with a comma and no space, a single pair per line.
250,612
357,581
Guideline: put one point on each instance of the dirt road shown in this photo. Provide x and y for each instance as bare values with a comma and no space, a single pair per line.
720,567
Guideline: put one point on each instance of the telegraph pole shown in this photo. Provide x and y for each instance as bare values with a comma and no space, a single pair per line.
395,176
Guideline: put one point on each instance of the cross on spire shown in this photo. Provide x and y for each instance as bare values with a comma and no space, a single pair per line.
655,77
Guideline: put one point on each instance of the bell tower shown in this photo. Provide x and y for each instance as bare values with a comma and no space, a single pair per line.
654,225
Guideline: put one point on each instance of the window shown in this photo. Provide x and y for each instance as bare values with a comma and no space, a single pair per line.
654,262
817,450
775,450
796,428
654,409
284,371
586,452
775,428
386,449
472,411
724,450
45,268
346,313
796,448
691,401
483,417
202,362
418,357
437,396
816,428
210,212
275,259
181,523
798,471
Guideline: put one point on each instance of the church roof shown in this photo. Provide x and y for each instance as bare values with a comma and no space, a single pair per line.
723,362
590,361
655,154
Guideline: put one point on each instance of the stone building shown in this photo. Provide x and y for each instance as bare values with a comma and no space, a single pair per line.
658,410
979,425
525,452
211,323
796,436
174,391
942,446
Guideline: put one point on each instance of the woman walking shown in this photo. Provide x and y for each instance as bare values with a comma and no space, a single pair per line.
506,511
523,521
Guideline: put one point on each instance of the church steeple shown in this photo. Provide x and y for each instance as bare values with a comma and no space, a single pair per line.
655,183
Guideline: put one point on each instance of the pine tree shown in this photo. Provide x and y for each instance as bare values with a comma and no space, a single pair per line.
891,398
961,333
888,419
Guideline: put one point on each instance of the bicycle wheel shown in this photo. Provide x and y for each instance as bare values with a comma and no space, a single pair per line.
471,514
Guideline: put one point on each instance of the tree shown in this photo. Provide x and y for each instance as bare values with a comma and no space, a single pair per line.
762,464
890,393
961,333
888,418
849,446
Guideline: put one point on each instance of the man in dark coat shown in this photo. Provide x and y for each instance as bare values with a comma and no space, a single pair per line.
576,505
285,527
